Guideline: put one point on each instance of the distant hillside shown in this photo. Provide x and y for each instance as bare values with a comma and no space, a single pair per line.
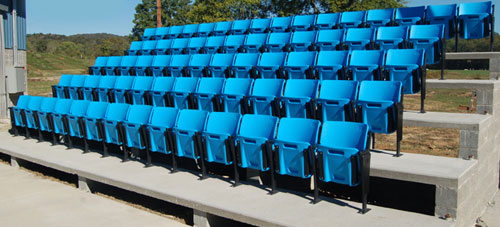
51,55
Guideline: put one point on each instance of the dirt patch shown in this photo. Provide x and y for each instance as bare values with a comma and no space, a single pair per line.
419,140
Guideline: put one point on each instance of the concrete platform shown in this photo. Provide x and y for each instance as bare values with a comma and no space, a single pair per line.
471,55
29,200
246,203
461,84
445,120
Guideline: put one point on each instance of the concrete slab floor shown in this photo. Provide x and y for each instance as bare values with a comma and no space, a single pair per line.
491,217
29,200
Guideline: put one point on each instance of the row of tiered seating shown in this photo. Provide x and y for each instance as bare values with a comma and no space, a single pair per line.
471,20
376,103
287,146
429,37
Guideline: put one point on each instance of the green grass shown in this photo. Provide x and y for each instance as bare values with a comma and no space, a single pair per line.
50,65
459,74
441,100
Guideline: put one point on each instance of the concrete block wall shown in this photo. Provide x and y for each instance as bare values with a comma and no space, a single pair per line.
12,98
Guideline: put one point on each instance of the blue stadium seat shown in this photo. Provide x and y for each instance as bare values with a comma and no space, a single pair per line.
112,65
178,45
177,65
233,43
159,65
61,110
126,65
303,22
139,91
135,127
163,46
214,44
89,88
407,66
240,27
278,42
181,91
366,65
148,47
218,137
92,121
135,48
297,97
60,90
196,45
189,125
271,65
175,31
252,140
336,100
443,14
112,123
244,65
220,65
360,38
205,29
260,25
162,33
189,30
380,17
106,83
280,24
410,15
100,63
234,94
197,65
431,38
149,33
46,108
294,146
17,112
392,37
299,65
343,156
142,65
161,87
122,88
380,106
265,95
74,119
330,39
352,19
161,121
222,28
206,95
331,65
475,19
255,42
327,20
303,41
31,111
74,88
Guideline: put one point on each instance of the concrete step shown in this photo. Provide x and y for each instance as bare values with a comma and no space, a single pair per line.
245,203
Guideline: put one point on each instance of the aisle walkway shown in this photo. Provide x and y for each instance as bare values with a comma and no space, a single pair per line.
30,200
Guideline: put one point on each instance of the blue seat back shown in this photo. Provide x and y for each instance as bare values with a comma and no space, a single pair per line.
336,134
144,61
352,19
260,25
338,89
302,39
265,129
114,61
233,41
221,28
200,60
300,59
128,61
268,87
22,104
163,84
213,43
277,40
77,81
107,82
62,107
240,26
175,31
329,39
208,85
47,105
223,123
299,88
298,130
391,37
431,31
245,60
237,86
254,41
142,83
191,120
149,32
185,85
23,101
177,63
148,45
124,82
219,63
100,61
161,61
116,111
195,44
161,32
376,91
79,108
205,29
189,30
138,114
327,20
379,17
410,15
91,81
136,45
441,11
269,63
163,116
303,22
96,110
358,38
178,45
163,45
280,24
332,58
475,8
65,80
367,57
405,57
34,103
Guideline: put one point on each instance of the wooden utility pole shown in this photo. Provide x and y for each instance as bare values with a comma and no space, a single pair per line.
158,13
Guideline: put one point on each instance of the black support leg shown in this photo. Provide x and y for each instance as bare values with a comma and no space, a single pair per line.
270,154
315,174
365,179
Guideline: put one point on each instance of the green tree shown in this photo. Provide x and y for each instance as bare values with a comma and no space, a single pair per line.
68,48
204,11
112,47
174,12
